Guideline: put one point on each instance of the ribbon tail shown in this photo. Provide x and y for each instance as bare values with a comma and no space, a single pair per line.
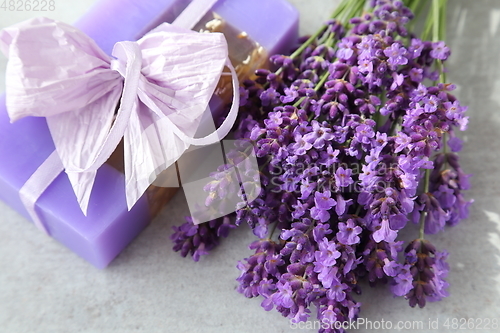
82,183
150,148
39,181
77,136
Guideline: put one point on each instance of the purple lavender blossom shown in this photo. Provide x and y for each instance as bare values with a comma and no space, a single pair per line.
440,51
336,291
416,48
198,240
291,94
348,232
323,200
329,157
343,177
269,96
274,121
384,232
327,253
283,297
398,80
397,55
455,144
301,146
345,50
428,271
403,281
366,47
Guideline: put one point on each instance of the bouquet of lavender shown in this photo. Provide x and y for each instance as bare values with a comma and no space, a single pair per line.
355,132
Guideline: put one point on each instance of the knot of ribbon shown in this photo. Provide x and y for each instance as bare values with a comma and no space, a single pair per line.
152,95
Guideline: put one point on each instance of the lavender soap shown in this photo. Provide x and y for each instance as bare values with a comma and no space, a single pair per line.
109,226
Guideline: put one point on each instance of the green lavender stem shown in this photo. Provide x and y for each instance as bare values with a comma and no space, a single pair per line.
423,215
436,22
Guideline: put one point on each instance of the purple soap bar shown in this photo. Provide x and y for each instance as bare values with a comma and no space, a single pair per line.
271,23
24,145
111,21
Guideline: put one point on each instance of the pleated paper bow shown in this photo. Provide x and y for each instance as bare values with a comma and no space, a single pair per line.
152,95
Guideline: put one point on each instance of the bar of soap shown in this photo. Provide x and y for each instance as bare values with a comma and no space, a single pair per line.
109,227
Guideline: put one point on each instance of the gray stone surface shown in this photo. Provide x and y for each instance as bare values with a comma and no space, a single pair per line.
148,288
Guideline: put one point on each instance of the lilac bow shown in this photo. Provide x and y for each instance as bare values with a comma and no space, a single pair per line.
162,84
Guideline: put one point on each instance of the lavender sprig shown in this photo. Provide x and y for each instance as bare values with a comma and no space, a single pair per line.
355,132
